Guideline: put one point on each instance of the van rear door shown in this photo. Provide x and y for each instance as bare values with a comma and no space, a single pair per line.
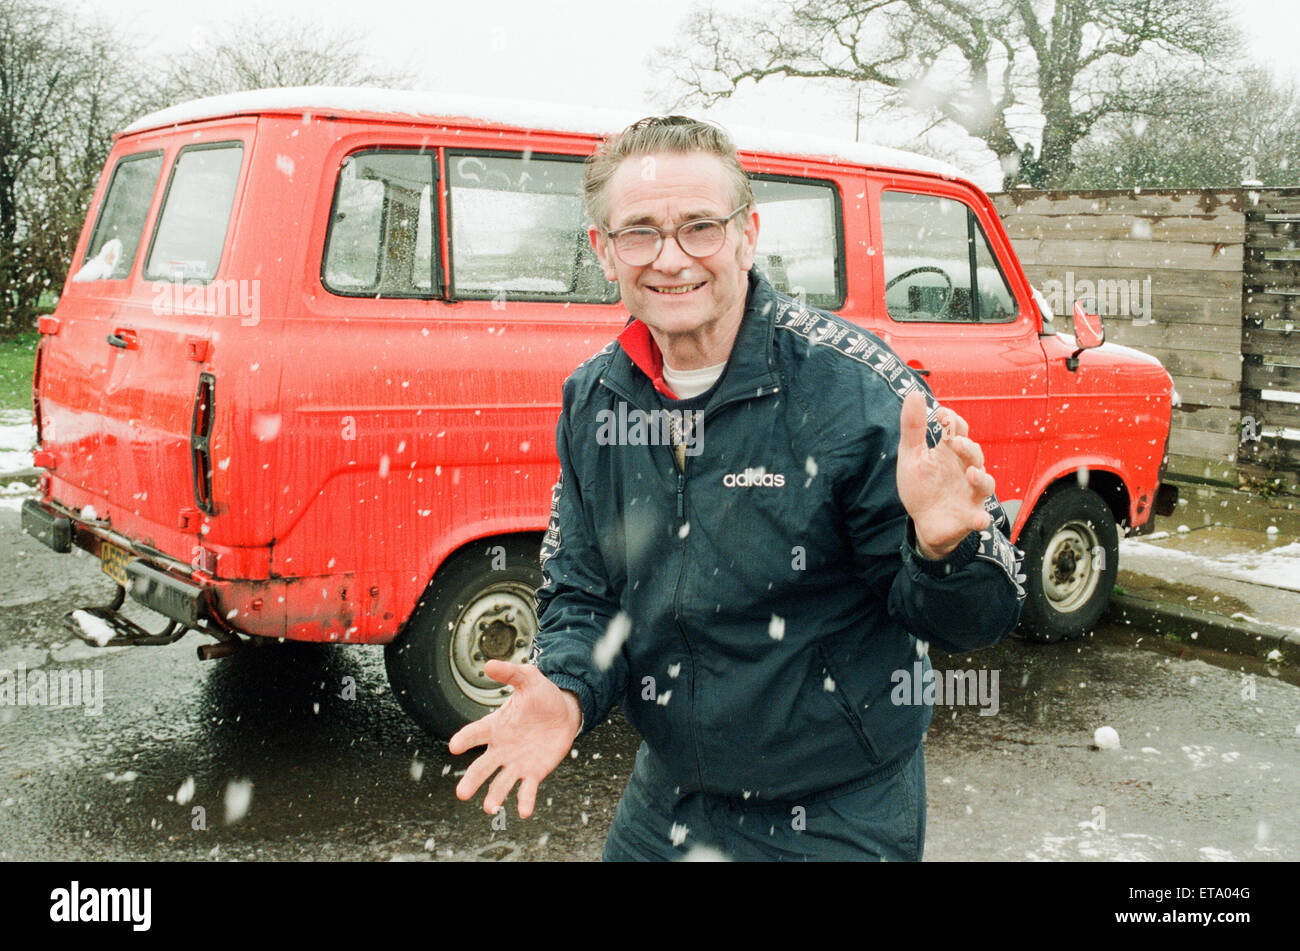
121,409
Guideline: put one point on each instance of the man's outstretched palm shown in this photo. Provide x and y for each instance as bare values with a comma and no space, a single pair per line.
944,488
526,737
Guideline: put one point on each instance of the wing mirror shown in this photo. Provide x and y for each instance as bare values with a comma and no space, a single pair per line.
1088,333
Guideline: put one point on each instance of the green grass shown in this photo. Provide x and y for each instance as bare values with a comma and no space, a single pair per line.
17,364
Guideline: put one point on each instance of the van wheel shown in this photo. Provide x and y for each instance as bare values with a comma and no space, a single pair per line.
479,607
1071,546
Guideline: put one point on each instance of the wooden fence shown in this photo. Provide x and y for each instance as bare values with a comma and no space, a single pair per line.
1204,280
1270,349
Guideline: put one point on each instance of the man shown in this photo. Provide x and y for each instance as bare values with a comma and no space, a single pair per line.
747,591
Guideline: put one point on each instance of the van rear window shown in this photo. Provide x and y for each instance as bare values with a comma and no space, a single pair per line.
518,230
130,192
195,216
380,241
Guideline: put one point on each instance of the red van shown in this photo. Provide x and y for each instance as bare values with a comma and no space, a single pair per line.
303,379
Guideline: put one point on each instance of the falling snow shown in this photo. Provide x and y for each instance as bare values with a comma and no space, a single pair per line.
607,648
239,796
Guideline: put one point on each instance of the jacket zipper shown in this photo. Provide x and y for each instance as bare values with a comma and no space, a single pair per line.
680,465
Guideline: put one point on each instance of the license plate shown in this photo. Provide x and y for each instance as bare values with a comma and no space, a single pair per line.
112,560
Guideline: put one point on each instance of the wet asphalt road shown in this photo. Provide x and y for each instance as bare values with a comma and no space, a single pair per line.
1203,772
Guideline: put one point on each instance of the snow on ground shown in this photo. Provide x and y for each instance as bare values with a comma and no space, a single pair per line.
1278,567
12,495
17,436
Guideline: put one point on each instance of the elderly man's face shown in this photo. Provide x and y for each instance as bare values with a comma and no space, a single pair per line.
676,293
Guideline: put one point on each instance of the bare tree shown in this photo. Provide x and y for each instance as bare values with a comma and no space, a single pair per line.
1246,127
261,53
65,87
68,83
977,64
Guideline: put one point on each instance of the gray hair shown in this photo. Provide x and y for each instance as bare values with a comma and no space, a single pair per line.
655,134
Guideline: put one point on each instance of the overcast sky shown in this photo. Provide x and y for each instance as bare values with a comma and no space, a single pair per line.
588,51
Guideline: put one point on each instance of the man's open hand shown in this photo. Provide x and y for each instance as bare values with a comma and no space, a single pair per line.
943,488
526,737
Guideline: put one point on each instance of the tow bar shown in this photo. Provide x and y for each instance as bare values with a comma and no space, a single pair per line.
126,633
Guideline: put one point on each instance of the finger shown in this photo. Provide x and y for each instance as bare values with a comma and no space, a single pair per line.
469,736
947,419
499,790
527,797
953,422
968,451
981,482
515,675
911,436
476,775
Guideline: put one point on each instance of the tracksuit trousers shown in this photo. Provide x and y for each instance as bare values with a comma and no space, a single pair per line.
881,819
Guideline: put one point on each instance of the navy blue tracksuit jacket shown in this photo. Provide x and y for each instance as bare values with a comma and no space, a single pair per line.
768,584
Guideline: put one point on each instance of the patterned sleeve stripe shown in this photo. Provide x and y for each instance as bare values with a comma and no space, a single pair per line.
825,331
997,548
997,514
551,540
550,545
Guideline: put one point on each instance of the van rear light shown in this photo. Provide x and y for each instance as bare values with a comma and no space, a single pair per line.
200,437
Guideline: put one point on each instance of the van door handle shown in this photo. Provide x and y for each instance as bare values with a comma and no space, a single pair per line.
124,338
916,367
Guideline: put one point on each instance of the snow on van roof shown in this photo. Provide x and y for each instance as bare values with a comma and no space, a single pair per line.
518,112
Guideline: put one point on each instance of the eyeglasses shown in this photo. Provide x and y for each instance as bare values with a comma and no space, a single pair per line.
638,245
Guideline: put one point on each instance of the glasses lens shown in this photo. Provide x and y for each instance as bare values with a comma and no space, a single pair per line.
701,238
637,246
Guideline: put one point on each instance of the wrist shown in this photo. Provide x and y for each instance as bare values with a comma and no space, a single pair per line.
574,707
935,552
938,560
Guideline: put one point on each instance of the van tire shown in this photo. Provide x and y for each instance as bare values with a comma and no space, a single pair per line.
479,606
1066,590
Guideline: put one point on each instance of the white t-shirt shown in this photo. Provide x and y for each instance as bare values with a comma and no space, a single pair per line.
688,383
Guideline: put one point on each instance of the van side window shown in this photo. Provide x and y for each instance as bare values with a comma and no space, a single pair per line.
130,192
938,264
381,235
518,230
800,243
191,229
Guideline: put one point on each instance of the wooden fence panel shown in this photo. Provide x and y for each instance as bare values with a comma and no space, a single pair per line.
1270,346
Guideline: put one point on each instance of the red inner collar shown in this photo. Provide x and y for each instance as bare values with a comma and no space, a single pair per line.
640,346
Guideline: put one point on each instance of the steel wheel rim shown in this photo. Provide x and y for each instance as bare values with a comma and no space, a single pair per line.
1072,566
499,624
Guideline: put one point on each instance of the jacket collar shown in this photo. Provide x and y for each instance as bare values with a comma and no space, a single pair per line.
637,367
